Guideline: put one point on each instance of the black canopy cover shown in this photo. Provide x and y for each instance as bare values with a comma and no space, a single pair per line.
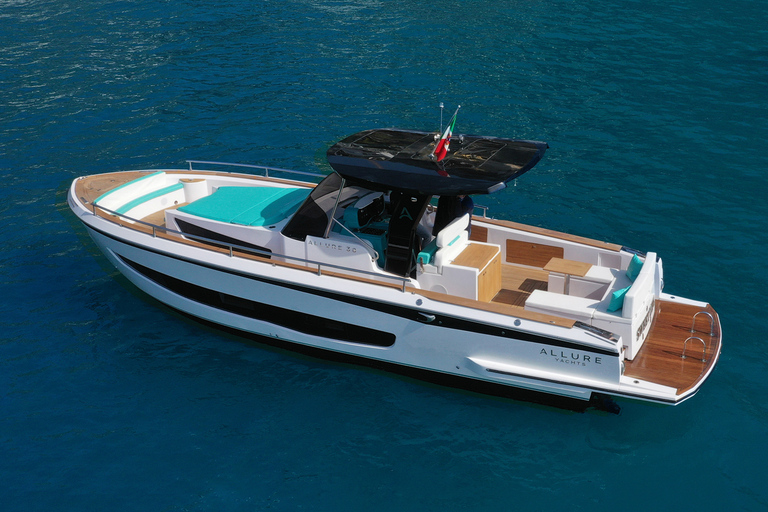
391,159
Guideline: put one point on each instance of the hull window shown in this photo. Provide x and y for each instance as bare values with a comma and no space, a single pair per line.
297,321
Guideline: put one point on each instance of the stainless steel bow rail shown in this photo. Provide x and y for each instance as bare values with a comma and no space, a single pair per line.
250,166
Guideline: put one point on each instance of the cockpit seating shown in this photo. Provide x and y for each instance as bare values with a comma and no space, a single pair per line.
450,241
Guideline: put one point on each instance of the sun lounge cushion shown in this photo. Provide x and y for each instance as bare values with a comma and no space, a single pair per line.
148,197
248,206
118,196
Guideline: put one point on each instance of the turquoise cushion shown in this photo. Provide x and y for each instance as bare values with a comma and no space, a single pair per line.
148,197
248,206
124,185
617,299
427,253
352,218
634,268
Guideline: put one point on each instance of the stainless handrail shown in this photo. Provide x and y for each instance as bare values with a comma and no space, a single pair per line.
483,208
404,281
366,243
711,322
250,166
695,338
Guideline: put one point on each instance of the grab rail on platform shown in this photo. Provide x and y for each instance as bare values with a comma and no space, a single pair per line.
696,338
711,322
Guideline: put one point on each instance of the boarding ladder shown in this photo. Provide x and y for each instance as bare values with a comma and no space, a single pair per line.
697,338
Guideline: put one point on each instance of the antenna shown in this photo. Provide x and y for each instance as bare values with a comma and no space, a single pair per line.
441,116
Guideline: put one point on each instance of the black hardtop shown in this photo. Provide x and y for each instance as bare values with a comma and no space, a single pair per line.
394,159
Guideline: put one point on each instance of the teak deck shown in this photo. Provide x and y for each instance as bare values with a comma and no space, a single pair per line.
660,358
518,282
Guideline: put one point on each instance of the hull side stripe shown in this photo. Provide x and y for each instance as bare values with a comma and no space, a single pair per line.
301,322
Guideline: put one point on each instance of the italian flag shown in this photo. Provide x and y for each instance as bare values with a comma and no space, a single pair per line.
441,149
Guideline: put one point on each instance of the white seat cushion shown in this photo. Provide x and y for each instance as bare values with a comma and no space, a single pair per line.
451,240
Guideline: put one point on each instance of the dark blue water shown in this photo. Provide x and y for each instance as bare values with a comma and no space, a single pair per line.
656,117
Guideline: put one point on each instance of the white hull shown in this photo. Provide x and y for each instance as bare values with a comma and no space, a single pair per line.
364,319
450,351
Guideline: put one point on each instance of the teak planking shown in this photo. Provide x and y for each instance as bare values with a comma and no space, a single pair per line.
534,255
660,358
518,282
479,234
489,280
476,256
570,267
487,260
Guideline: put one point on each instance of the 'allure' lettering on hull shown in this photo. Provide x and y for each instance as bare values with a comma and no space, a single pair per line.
573,358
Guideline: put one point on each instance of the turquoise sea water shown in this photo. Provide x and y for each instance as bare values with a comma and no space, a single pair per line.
656,117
